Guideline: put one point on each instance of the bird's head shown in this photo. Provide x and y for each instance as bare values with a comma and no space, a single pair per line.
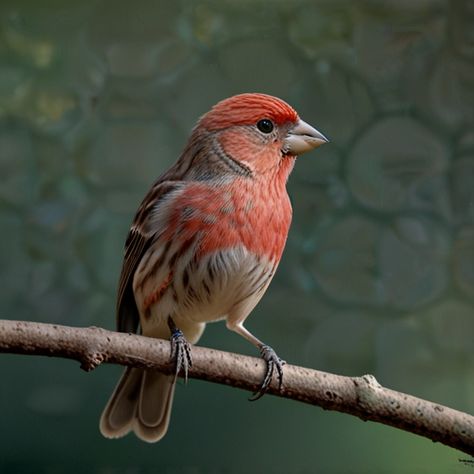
259,131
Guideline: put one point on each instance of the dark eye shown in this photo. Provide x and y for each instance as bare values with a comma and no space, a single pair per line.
265,125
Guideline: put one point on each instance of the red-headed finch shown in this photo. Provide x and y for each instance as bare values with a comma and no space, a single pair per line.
204,246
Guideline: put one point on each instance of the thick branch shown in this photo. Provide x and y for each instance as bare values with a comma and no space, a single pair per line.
359,396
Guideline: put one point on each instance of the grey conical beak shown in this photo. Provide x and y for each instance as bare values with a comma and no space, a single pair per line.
302,138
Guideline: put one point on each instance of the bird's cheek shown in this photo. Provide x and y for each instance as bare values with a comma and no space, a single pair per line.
238,146
247,150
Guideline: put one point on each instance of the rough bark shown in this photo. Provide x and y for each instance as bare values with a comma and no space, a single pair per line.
362,396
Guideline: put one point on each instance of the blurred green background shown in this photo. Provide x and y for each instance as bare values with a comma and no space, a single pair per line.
97,99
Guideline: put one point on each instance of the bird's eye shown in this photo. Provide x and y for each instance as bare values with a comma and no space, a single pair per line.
265,125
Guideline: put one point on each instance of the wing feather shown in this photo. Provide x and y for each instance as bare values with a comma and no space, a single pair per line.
139,239
198,162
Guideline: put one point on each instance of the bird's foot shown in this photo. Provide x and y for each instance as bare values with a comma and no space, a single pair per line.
274,363
180,351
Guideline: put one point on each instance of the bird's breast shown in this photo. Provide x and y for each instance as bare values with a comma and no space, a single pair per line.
233,215
218,253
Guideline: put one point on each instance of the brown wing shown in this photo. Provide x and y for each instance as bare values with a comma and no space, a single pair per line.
198,162
138,241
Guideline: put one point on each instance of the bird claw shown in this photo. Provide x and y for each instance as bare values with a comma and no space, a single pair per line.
274,363
180,352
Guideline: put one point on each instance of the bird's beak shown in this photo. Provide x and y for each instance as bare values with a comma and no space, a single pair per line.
302,138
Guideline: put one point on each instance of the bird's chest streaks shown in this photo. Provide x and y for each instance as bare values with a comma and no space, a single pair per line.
217,254
210,288
204,289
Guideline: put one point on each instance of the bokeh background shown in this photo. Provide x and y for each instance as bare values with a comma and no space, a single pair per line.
97,99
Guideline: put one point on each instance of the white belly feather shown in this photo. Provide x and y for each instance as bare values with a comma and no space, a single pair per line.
226,284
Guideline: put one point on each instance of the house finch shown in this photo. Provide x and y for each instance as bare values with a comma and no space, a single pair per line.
204,246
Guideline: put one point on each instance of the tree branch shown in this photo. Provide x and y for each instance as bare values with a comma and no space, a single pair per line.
359,396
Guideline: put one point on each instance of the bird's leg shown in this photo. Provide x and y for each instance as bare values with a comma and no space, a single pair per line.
180,350
273,362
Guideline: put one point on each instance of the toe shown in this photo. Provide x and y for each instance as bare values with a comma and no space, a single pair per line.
273,363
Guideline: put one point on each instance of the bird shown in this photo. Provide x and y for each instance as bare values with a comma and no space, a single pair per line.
204,246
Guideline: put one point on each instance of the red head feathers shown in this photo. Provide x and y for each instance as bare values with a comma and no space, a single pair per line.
247,109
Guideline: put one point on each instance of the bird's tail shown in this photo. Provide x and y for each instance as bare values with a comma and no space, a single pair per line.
141,402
